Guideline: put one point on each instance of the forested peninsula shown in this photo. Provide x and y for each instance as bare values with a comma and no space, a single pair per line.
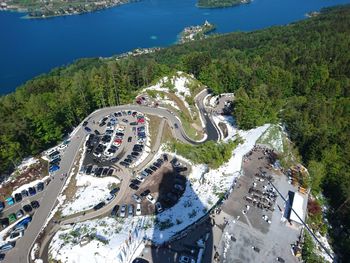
298,75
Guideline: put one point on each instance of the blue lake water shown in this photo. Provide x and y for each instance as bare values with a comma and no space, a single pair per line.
29,47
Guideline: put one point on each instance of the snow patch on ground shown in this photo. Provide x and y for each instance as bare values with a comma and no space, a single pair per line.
326,244
90,191
111,240
178,84
230,123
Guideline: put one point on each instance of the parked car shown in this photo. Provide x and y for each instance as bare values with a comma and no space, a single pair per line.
24,222
35,204
10,201
2,206
14,236
159,207
105,171
114,191
136,198
87,129
122,211
110,172
133,186
186,259
150,198
131,210
115,210
125,164
145,193
53,168
110,198
99,206
7,247
32,191
40,187
138,209
88,170
20,228
5,222
12,218
27,208
140,178
18,197
19,213
24,193
2,257
135,181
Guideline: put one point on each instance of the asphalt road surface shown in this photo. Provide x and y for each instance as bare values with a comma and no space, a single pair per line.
21,252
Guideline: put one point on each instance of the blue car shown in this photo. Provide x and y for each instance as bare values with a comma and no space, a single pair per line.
87,129
54,168
32,191
24,221
10,200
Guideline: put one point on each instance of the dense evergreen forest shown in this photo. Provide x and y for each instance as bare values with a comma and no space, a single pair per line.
297,74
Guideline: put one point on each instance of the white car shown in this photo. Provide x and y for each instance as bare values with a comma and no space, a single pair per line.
122,211
97,154
62,146
138,209
108,154
140,178
151,199
110,198
141,140
14,236
186,259
159,207
136,198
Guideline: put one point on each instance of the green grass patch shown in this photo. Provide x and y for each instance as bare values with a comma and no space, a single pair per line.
273,137
211,153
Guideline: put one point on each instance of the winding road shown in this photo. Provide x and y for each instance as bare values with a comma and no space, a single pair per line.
48,200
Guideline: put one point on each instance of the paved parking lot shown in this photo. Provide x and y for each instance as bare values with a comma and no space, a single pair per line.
112,140
159,184
257,234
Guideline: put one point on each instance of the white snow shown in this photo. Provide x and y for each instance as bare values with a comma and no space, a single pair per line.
90,191
180,83
124,237
27,162
230,124
34,250
213,101
326,244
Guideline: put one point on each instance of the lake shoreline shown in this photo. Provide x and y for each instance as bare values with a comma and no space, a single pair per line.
19,9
